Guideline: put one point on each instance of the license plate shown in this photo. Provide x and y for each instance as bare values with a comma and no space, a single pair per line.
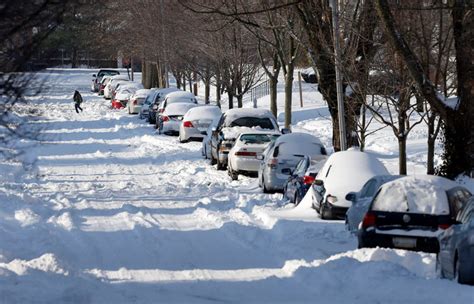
404,242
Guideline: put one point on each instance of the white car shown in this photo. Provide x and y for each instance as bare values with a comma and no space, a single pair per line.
111,85
171,118
243,158
158,98
343,172
136,101
196,122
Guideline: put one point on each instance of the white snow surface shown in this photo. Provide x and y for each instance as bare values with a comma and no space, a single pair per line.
104,210
415,194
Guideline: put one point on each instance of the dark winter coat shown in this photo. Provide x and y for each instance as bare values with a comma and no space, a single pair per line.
77,97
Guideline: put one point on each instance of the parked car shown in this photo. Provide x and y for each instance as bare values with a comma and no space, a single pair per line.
136,101
309,75
122,93
174,97
159,98
148,103
410,213
102,84
206,141
111,84
281,157
196,122
244,156
171,118
343,172
121,98
301,179
362,199
232,123
96,78
455,259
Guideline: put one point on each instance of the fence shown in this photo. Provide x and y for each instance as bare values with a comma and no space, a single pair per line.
260,90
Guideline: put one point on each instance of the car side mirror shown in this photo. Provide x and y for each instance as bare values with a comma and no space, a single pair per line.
93,75
285,131
351,196
318,182
286,171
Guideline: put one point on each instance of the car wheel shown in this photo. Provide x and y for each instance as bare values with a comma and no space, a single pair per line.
220,166
460,275
324,212
233,175
212,160
265,190
297,199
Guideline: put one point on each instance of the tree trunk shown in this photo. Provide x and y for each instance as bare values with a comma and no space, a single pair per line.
239,96
273,94
231,99
207,90
218,90
402,156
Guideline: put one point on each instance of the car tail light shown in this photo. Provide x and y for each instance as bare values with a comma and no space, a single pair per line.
444,226
369,220
308,179
165,118
245,153
272,163
188,124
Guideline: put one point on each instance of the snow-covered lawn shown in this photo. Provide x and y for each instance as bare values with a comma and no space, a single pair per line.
104,210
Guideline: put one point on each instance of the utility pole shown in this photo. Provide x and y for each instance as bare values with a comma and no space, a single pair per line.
337,55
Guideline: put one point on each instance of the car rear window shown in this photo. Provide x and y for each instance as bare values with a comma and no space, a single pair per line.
264,123
310,149
256,138
425,199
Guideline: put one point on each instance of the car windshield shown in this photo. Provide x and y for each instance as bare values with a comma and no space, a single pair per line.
256,138
264,123
108,73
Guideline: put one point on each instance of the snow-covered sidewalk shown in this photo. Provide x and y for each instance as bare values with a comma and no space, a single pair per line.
104,210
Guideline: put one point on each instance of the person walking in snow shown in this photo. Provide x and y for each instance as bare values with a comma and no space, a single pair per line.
77,101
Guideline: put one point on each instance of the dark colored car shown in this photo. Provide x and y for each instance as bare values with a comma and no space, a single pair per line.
96,78
309,76
302,178
456,255
410,212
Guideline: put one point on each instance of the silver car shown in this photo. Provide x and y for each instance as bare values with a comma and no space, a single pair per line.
281,156
361,200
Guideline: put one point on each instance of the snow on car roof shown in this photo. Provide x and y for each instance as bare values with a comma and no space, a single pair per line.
424,194
119,77
298,137
203,112
180,93
233,114
179,108
142,93
131,84
347,171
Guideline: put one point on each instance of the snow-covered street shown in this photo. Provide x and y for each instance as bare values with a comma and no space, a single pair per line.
104,210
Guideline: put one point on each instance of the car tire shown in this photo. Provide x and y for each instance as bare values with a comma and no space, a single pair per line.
233,175
265,190
212,160
220,166
297,199
460,275
324,213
